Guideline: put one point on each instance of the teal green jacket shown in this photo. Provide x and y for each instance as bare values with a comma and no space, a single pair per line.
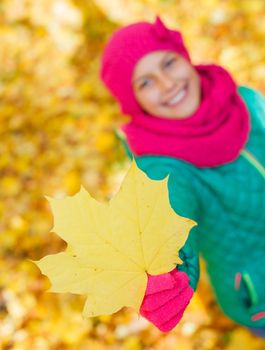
228,203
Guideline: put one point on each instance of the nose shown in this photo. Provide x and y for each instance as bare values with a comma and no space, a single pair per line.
166,83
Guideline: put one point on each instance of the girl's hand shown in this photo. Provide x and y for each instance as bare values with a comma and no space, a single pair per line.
166,297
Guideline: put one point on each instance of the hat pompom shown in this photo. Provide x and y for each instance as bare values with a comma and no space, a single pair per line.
160,29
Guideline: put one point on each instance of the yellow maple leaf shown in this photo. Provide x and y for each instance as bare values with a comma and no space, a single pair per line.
112,247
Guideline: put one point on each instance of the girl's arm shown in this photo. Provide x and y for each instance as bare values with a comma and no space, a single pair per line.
190,257
168,295
184,201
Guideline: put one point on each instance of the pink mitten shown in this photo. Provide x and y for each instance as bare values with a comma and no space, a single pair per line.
166,297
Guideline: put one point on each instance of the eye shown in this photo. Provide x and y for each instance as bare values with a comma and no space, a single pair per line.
144,83
170,62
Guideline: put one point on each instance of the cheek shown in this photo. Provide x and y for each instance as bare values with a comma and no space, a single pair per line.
181,71
148,98
196,84
184,71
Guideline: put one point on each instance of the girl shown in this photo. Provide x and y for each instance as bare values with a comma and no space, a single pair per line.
193,123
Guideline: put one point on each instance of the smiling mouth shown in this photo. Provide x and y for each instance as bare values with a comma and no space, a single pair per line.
177,98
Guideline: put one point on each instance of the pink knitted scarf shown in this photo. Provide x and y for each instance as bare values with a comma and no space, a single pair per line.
212,136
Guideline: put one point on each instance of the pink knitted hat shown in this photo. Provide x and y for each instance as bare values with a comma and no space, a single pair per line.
124,49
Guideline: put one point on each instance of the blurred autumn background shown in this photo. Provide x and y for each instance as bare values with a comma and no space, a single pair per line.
57,131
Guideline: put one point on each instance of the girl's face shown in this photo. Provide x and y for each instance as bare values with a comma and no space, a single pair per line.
166,85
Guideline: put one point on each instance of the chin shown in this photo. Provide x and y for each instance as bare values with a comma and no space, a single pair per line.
181,115
187,114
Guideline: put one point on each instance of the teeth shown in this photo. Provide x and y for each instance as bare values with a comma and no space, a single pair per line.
177,98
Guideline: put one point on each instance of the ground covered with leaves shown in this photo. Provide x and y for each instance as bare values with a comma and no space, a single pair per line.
57,131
